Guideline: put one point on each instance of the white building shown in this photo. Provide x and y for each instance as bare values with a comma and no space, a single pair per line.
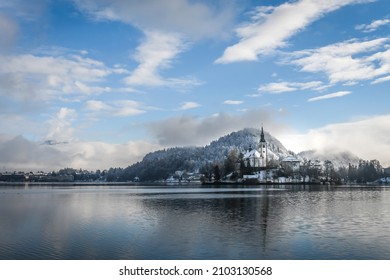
257,158
291,164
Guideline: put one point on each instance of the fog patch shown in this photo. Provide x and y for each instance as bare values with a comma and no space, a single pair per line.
20,154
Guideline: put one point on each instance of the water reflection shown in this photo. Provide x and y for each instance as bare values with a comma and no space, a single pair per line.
289,222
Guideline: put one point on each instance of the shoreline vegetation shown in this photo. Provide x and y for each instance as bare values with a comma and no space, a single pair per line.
177,184
365,173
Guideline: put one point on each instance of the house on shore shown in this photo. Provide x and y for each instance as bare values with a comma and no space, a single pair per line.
291,164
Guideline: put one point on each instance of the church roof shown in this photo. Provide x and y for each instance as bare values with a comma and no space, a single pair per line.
290,159
262,135
252,154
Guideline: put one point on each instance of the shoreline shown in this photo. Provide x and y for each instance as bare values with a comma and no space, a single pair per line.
183,184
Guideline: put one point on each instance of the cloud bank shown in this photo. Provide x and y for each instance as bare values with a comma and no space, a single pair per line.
368,138
194,131
19,153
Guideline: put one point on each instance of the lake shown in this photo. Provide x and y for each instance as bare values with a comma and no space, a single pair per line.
194,222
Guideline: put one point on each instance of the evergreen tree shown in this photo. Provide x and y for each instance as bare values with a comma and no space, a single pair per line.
230,163
217,173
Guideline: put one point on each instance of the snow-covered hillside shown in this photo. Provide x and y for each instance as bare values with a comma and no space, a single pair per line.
163,163
242,141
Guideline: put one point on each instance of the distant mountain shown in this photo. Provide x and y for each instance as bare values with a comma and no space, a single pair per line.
163,163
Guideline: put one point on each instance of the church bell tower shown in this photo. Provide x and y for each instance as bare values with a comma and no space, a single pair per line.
263,149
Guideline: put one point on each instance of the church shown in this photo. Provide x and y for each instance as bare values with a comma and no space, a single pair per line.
257,158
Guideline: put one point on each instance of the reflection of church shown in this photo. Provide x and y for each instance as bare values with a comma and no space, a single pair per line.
257,158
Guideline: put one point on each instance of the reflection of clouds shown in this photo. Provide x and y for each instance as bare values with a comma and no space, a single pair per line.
134,223
191,223
62,222
211,227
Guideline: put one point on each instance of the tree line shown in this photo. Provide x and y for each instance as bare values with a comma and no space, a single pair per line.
233,167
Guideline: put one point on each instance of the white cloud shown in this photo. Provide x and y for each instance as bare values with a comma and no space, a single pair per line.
347,62
277,87
189,131
280,87
189,105
121,108
330,95
155,54
96,105
193,19
30,77
125,108
271,27
60,126
89,90
233,102
373,25
368,138
381,80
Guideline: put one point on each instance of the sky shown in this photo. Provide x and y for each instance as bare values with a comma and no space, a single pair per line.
95,84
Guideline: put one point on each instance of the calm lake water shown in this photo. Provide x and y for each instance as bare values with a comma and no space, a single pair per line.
194,222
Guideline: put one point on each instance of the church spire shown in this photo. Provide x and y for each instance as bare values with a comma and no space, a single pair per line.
262,134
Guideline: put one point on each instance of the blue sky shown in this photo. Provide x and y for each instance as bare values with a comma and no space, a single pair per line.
109,81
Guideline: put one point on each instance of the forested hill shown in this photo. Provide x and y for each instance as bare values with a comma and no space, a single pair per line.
163,163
